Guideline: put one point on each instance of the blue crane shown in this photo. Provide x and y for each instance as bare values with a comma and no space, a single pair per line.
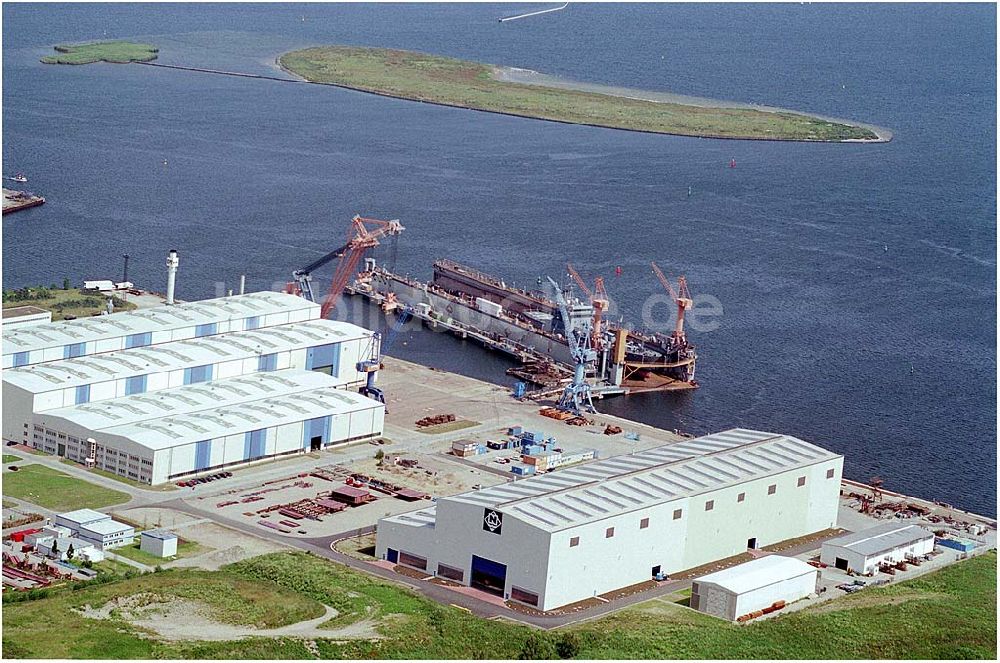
576,396
371,366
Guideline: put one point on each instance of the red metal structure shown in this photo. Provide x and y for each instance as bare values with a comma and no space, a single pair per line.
681,296
598,299
362,235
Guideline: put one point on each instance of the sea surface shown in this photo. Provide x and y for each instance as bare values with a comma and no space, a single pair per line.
857,282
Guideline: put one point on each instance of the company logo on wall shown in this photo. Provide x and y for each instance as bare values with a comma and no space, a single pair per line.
492,521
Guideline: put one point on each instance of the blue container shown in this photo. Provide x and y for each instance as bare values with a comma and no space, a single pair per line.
515,430
962,545
519,389
522,470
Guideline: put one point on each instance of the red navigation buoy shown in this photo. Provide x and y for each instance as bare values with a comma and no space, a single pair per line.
732,162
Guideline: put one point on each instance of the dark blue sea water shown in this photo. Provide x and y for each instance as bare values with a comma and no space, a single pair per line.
858,282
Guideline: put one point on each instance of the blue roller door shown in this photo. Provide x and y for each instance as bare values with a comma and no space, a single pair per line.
324,358
254,444
316,432
488,575
202,454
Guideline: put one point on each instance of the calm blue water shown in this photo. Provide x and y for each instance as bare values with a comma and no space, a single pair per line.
887,356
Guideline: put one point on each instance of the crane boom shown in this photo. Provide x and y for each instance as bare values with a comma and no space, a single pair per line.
683,300
363,234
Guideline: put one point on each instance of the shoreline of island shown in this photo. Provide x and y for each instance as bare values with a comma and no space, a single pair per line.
498,74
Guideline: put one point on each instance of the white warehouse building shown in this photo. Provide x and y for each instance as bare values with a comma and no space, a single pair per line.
150,326
566,536
321,345
197,386
166,435
863,552
755,585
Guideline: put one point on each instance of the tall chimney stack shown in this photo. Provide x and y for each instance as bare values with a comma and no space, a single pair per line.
172,262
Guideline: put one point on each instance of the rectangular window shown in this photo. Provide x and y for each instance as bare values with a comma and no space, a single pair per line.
135,385
267,362
772,489
829,473
406,559
74,350
608,533
522,596
644,523
802,481
741,497
450,572
20,359
82,394
678,513
574,542
252,322
205,330
198,374
138,340
709,505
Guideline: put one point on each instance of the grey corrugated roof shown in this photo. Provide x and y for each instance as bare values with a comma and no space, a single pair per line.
179,429
881,538
56,334
620,484
66,373
100,415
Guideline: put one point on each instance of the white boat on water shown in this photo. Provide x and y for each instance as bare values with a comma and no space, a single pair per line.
19,178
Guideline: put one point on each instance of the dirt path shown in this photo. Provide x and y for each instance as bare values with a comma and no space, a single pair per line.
176,619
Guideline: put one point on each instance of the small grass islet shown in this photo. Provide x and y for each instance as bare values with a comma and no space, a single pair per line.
116,52
466,84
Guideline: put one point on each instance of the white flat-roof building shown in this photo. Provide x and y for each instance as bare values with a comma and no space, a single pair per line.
566,536
755,585
151,326
17,317
320,345
59,548
74,520
158,543
863,552
107,534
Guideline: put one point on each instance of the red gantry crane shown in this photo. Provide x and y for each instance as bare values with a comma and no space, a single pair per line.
598,299
363,234
681,296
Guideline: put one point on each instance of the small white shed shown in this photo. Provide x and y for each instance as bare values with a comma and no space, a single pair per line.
863,552
752,586
158,543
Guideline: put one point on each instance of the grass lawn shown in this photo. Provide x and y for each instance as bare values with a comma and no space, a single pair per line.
947,614
58,491
184,549
72,302
120,52
465,84
10,458
117,477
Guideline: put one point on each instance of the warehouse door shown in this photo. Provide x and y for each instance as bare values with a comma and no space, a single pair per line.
840,563
752,543
488,575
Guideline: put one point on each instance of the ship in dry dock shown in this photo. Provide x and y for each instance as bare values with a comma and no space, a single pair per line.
529,326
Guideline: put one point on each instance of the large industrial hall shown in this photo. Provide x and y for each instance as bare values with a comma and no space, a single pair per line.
153,395
553,540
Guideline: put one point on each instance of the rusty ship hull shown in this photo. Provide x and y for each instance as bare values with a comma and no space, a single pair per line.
528,325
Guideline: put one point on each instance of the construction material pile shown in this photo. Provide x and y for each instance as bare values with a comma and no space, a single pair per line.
435,420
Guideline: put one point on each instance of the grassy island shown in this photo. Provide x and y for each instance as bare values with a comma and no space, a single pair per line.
465,84
117,52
